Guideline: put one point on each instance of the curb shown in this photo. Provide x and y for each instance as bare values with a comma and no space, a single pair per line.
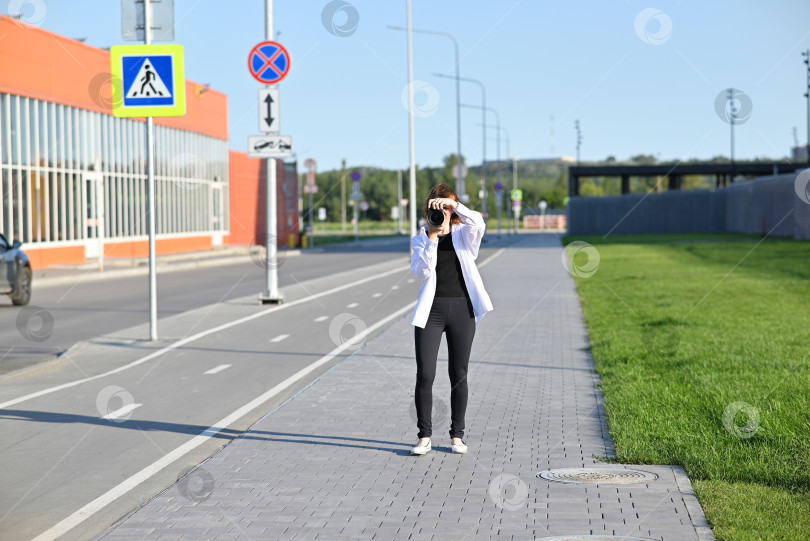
72,350
696,514
144,270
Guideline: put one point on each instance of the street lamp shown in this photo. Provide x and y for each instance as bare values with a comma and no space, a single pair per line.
459,180
501,129
484,115
498,200
484,159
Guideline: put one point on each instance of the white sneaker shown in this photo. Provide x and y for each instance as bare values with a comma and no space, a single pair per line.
458,449
421,449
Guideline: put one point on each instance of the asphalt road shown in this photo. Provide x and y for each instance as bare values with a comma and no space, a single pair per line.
82,447
88,308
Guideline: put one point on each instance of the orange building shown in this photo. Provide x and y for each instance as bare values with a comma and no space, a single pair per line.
73,176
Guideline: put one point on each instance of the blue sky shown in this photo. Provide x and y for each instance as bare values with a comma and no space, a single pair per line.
635,87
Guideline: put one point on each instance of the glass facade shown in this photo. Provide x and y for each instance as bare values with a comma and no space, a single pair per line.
62,168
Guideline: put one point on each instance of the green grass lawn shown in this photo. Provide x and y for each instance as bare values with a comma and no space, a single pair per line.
703,349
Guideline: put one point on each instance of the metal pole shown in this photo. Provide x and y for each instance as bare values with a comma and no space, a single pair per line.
356,219
399,200
343,196
271,293
460,188
508,199
311,223
484,159
514,187
732,113
411,143
498,151
150,183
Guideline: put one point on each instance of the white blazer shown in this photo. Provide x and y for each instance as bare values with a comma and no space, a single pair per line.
466,240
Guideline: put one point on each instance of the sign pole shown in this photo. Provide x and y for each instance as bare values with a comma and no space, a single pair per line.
150,183
311,223
411,148
271,294
515,208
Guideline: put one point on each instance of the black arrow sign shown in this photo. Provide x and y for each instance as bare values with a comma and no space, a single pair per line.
269,118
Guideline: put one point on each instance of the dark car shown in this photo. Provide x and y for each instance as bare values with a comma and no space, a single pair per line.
15,272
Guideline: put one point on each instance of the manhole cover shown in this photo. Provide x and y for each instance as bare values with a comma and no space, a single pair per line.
597,476
594,538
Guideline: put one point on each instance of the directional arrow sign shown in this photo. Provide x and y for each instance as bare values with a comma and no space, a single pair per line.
269,116
269,146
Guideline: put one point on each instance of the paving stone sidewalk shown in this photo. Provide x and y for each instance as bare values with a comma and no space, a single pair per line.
333,462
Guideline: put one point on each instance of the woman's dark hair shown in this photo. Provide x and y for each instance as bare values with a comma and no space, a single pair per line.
443,190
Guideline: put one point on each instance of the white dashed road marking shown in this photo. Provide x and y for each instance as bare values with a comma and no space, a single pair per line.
352,305
121,411
321,318
377,295
219,368
280,337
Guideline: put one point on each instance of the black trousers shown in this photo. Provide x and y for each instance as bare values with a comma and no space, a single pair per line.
454,316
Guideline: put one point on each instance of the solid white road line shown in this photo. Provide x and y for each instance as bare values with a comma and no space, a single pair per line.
116,492
217,369
280,337
196,337
120,412
321,318
352,305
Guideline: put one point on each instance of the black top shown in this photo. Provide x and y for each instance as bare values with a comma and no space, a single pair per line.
449,278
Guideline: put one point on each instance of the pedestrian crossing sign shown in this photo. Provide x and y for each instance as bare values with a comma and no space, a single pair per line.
148,80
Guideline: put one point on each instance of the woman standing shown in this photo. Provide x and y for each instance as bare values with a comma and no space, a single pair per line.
452,300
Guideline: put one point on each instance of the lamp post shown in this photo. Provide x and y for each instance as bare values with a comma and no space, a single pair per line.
484,159
411,149
460,190
500,130
484,116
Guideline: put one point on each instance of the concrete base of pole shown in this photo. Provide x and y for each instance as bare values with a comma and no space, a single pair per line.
266,298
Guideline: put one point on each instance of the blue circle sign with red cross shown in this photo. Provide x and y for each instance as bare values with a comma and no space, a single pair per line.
269,62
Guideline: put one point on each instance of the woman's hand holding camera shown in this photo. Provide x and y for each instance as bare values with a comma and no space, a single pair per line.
444,204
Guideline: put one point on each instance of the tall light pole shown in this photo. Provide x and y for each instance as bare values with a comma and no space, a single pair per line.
732,114
501,130
484,108
579,138
484,116
411,148
806,55
460,189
